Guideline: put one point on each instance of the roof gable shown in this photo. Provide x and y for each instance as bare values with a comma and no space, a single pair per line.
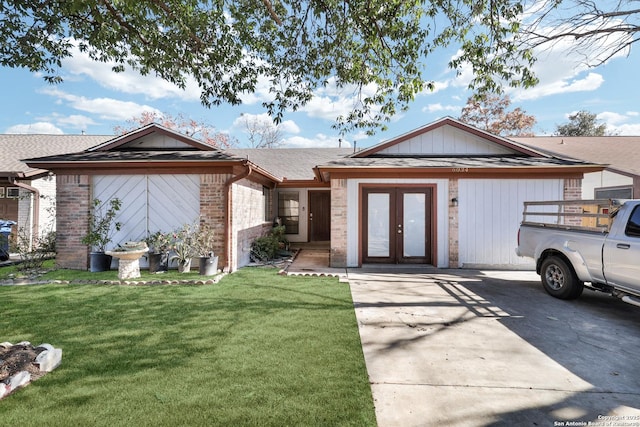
447,137
153,137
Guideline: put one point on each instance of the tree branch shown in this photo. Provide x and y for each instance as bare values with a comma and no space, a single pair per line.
272,12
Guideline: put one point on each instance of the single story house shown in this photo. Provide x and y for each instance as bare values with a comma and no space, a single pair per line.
27,194
445,194
620,179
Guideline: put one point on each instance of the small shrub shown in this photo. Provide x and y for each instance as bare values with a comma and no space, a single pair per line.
33,255
267,247
264,248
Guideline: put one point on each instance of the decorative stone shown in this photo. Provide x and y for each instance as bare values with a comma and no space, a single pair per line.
49,360
46,346
4,390
19,379
6,344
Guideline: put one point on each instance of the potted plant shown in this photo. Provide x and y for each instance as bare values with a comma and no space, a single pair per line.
102,226
184,247
205,240
158,255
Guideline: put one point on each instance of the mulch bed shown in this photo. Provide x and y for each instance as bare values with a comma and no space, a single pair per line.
19,357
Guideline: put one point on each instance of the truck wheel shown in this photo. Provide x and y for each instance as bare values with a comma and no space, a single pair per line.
559,279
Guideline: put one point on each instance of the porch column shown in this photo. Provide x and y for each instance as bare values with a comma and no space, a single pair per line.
72,221
338,253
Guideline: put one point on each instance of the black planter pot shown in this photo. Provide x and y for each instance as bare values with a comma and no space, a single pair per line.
99,261
158,261
208,266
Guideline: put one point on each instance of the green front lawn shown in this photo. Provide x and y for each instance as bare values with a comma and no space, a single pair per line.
255,349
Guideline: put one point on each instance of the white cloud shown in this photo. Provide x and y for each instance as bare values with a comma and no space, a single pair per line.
128,81
289,126
320,140
621,124
35,128
286,126
434,108
560,85
106,108
332,101
76,121
612,118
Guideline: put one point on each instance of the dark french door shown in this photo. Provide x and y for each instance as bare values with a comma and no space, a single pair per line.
396,225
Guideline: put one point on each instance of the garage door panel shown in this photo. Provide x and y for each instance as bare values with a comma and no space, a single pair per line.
173,201
150,203
490,212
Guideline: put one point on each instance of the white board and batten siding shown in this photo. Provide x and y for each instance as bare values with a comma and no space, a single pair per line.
490,212
150,202
446,140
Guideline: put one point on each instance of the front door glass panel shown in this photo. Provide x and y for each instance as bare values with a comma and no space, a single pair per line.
413,222
378,225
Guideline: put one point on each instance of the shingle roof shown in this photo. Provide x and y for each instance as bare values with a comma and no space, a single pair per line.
620,152
137,156
453,162
15,148
291,163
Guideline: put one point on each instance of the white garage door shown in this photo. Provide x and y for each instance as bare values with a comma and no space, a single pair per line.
490,212
150,203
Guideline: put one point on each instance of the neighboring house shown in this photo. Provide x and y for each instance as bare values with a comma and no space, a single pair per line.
446,194
621,178
164,180
26,193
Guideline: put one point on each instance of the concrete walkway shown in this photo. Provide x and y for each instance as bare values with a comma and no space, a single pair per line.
471,348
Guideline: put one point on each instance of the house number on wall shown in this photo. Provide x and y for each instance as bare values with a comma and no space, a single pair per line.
459,169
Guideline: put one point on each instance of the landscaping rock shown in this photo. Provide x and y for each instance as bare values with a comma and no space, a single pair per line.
22,363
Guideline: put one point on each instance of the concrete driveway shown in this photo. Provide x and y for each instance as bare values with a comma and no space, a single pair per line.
473,348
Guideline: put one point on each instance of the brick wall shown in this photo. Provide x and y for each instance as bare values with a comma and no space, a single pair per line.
73,204
213,211
453,225
572,191
248,221
338,255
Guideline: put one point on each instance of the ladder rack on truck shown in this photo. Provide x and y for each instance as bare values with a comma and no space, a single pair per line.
586,215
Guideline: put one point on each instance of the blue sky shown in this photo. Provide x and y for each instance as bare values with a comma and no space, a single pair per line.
95,100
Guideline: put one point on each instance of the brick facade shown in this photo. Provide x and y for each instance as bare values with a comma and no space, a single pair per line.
338,254
248,220
213,211
73,195
572,189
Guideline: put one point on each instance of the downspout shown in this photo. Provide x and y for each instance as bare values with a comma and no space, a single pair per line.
36,206
227,225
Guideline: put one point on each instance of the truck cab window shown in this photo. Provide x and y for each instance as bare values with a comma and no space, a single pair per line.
633,226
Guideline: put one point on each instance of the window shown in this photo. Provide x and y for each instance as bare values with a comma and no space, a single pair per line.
289,211
13,192
1,192
266,200
633,226
614,193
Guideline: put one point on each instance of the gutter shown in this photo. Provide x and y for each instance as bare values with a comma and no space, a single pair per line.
227,225
36,206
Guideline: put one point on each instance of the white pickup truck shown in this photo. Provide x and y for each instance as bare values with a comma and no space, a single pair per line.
584,243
